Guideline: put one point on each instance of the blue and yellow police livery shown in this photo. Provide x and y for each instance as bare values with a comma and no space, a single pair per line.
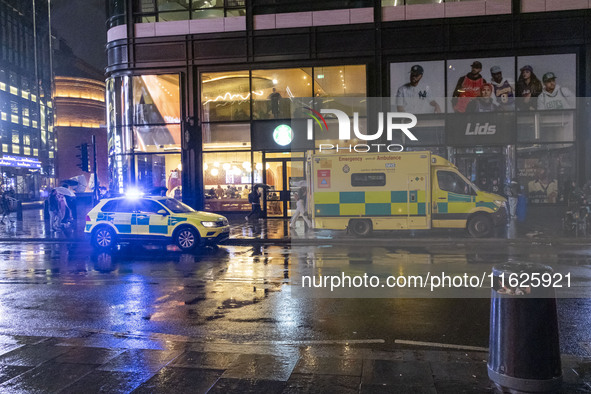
363,192
148,219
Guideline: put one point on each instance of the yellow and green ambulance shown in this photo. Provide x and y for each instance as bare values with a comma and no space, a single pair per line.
363,192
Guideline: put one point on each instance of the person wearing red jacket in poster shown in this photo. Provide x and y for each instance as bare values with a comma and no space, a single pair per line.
468,87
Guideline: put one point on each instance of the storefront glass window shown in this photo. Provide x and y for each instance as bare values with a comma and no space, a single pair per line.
227,180
156,99
173,10
226,136
555,126
544,171
160,174
157,138
225,96
339,81
274,89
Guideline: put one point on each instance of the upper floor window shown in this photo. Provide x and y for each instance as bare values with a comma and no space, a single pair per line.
174,10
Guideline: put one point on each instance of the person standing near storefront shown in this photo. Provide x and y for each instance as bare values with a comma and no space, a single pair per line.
468,87
54,210
275,98
254,198
300,211
5,203
512,192
528,89
543,189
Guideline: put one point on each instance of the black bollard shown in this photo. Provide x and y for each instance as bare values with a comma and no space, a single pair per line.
19,210
524,352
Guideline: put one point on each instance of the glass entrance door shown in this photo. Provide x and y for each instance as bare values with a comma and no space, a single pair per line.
485,170
284,176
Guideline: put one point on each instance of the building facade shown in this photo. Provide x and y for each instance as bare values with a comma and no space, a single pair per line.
80,115
196,89
27,140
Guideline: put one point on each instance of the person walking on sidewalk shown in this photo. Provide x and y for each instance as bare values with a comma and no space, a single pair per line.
5,203
512,192
54,211
254,198
300,211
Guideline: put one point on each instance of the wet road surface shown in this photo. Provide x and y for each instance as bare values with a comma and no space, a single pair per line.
228,320
245,295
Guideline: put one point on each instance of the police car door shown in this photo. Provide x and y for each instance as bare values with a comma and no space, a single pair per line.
149,221
123,215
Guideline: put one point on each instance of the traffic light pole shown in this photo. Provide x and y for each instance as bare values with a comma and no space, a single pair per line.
96,195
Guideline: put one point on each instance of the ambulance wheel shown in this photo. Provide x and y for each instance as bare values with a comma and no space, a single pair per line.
480,226
186,238
103,238
360,228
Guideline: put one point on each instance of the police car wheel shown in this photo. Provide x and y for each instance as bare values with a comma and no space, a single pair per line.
103,238
361,228
480,226
187,238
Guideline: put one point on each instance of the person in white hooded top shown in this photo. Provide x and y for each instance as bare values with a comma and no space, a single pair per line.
553,95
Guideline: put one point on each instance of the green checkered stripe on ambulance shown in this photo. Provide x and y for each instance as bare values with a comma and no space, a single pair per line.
461,203
141,223
380,203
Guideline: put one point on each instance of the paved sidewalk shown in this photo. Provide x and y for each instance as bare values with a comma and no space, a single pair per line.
92,362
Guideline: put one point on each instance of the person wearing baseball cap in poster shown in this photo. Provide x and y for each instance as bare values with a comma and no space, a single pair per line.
553,95
468,87
415,97
503,89
528,89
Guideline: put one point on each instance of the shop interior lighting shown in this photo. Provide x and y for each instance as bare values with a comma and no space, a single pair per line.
214,172
226,166
232,97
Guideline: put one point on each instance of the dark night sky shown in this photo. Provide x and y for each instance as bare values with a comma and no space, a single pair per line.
81,23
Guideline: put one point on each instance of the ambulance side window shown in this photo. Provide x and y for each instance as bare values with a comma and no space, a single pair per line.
451,182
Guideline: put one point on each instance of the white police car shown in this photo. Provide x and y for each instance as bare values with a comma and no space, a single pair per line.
153,219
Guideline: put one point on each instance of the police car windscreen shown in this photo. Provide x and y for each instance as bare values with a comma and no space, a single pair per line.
176,206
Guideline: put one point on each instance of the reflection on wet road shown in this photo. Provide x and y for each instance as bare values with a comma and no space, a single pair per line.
244,294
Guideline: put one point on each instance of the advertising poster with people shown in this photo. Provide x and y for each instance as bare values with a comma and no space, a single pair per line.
547,82
481,85
417,87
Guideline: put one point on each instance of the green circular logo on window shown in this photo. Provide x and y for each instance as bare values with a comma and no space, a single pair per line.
283,135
